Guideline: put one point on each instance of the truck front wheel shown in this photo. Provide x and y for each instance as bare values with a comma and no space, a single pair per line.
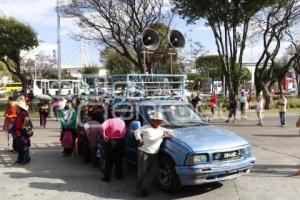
167,177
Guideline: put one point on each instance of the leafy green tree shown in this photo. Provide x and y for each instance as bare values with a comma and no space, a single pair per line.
242,75
15,37
116,24
296,67
48,74
115,63
66,74
3,70
229,21
209,65
275,24
193,81
91,69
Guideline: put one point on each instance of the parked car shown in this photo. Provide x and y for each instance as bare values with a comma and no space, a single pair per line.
197,154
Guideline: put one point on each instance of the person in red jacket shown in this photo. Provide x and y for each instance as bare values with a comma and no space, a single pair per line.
22,141
10,116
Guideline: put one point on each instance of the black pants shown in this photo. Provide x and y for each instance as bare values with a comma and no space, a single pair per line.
147,169
22,146
232,112
114,153
243,108
85,151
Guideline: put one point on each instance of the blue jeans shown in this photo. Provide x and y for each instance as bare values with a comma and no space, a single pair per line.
282,118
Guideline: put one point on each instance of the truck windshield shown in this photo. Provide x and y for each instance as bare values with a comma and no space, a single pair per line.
176,115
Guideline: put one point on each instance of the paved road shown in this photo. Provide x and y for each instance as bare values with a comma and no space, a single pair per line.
50,176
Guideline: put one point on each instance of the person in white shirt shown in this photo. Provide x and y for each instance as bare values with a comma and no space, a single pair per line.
70,96
282,108
149,138
243,100
259,109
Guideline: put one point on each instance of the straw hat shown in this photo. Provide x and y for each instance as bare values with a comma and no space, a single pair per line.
157,116
21,104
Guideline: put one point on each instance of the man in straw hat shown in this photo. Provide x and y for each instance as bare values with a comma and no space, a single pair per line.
149,139
22,141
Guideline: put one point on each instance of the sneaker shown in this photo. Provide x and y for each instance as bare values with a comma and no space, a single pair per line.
17,162
105,179
25,162
66,154
119,177
141,193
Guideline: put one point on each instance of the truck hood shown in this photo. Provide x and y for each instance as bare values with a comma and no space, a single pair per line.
206,138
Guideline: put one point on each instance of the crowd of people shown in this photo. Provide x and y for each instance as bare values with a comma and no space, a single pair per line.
98,137
241,102
87,129
17,124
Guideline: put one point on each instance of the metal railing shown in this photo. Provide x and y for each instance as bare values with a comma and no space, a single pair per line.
136,85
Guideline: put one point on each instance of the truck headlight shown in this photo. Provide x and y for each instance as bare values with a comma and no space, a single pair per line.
197,159
247,151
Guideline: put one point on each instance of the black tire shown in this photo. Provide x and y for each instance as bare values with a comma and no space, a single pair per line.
167,177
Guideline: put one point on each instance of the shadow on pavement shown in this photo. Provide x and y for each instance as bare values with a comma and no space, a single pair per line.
50,171
275,170
279,136
238,125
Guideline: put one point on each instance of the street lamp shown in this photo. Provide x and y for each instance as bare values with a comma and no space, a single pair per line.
58,47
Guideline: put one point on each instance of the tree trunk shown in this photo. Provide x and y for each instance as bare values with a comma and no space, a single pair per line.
297,80
257,85
24,84
267,96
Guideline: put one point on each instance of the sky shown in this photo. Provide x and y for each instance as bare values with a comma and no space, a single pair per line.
41,15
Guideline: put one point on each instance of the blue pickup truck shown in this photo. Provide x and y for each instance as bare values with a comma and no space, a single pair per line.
197,154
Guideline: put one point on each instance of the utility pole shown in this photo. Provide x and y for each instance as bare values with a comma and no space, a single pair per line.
58,48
